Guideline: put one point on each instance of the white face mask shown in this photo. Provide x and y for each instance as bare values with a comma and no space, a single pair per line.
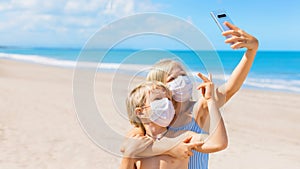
162,112
181,88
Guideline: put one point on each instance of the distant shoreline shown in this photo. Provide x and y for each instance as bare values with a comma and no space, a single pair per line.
109,68
137,49
278,71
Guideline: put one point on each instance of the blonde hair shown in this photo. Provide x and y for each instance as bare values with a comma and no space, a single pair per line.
137,98
161,70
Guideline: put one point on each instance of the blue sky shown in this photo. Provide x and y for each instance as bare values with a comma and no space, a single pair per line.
70,23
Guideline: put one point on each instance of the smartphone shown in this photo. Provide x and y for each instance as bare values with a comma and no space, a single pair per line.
220,16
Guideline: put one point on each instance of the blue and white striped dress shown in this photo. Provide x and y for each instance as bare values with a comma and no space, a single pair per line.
198,160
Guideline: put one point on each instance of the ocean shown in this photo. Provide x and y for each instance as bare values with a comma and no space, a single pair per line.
271,70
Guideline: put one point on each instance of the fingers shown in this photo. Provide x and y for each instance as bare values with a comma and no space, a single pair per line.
202,85
188,139
204,89
199,143
235,39
189,153
231,32
238,45
207,81
204,78
196,144
239,38
210,77
230,25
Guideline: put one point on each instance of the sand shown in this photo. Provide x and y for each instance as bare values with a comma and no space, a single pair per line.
39,126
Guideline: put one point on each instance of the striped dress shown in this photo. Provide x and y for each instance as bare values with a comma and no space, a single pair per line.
198,160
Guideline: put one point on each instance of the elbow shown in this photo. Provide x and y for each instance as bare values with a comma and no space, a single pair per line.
212,147
222,146
224,143
219,147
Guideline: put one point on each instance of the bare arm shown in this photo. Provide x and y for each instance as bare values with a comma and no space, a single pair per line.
143,146
217,139
239,39
135,142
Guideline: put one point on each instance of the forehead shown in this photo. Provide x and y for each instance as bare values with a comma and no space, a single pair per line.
176,69
156,94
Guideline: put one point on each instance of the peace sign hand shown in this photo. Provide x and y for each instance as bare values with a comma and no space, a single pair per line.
207,87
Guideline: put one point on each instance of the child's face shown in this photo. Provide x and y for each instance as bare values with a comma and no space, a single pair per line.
152,95
175,72
157,108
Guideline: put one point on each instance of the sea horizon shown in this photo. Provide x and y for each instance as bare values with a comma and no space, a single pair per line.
272,70
80,48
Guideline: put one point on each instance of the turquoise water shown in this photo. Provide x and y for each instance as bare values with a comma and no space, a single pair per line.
271,70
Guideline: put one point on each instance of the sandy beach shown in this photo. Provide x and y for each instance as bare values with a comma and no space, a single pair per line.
39,126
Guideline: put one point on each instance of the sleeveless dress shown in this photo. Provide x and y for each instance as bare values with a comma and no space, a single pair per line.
198,160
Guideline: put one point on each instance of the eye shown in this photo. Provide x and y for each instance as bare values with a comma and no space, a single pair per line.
170,79
182,73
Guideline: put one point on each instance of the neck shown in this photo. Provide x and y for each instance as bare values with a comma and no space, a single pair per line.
154,130
180,109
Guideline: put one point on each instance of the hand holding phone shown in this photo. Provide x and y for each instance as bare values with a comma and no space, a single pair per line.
240,38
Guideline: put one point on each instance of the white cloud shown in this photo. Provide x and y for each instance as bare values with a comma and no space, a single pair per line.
147,5
119,8
35,6
84,6
64,18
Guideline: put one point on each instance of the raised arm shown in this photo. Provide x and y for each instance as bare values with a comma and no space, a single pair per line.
239,39
217,139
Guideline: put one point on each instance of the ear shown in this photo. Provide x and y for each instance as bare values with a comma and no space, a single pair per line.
138,111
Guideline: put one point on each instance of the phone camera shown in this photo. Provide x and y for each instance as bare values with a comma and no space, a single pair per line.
221,15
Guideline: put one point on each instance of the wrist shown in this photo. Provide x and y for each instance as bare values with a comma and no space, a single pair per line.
250,53
210,100
252,49
254,46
